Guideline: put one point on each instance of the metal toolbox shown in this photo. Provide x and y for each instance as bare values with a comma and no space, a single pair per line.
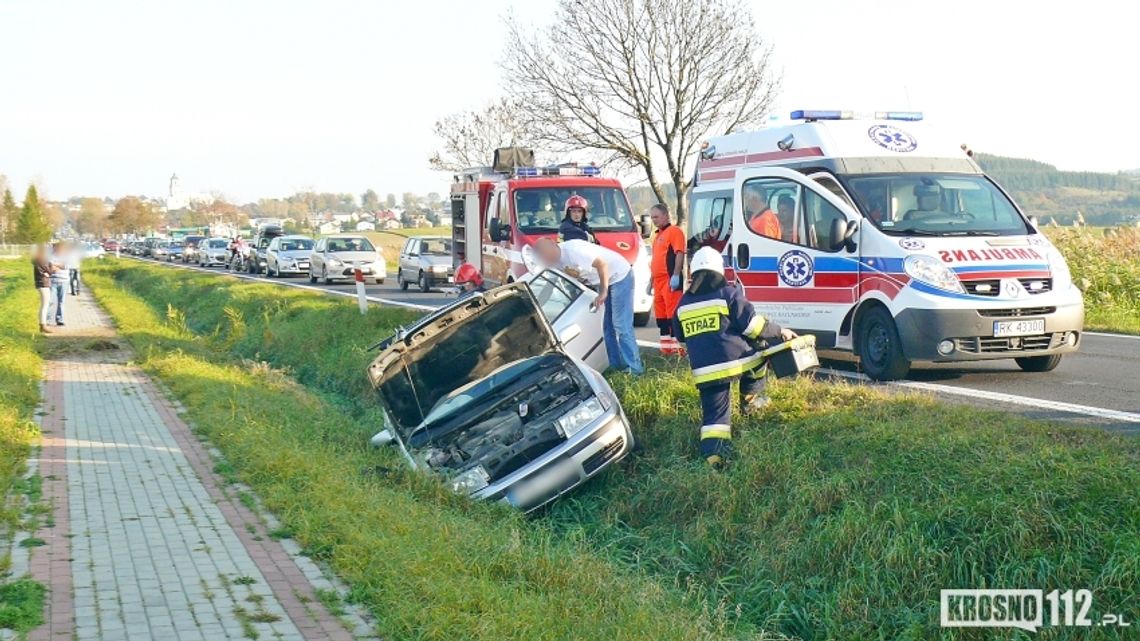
792,357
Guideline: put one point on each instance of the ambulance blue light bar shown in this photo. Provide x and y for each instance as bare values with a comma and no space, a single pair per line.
808,114
569,170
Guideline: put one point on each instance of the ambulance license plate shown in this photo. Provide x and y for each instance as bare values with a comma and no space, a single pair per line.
1027,327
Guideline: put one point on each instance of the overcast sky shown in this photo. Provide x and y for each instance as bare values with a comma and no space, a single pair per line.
256,99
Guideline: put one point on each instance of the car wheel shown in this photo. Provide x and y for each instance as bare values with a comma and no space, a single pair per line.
425,282
312,277
1039,363
641,319
269,273
325,275
379,281
401,282
880,348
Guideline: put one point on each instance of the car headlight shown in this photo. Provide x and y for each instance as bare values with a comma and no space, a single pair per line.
471,481
573,421
1062,276
530,261
333,262
929,270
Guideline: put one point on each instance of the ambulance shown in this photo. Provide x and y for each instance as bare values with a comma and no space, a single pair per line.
499,212
881,238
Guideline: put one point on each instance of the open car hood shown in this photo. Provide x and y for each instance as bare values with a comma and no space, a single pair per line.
457,346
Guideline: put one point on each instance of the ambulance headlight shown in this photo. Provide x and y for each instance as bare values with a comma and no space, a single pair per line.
1062,277
930,270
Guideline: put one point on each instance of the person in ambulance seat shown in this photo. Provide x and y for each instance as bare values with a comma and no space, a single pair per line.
786,213
470,280
928,196
576,225
759,217
667,267
722,332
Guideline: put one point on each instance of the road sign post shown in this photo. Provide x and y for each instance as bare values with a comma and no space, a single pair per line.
361,296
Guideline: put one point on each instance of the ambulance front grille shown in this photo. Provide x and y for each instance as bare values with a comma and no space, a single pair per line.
992,345
1016,312
1037,285
984,287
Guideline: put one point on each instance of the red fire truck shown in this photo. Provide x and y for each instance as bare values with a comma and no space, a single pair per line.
499,212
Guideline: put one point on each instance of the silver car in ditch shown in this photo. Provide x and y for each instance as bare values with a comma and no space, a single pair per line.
494,393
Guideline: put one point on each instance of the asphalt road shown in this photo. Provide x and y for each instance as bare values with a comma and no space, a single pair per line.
1098,386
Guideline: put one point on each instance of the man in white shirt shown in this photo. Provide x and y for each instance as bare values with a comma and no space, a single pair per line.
611,275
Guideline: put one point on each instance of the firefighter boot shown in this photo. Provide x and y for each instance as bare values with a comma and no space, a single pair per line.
753,394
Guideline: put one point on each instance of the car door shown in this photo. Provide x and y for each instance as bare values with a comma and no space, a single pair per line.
317,260
569,306
807,277
410,263
271,255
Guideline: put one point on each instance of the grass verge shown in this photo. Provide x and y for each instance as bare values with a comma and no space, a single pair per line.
21,600
1106,266
844,514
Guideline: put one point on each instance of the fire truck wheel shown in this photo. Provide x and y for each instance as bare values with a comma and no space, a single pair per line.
641,319
880,349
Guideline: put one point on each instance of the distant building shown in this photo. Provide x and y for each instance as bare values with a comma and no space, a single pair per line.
391,223
445,220
175,198
365,226
328,227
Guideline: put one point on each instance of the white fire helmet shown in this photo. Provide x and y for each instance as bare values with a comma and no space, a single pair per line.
707,258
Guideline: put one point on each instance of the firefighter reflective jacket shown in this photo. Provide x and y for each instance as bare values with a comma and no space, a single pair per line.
720,328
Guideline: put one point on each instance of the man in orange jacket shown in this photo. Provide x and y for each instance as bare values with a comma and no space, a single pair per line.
668,267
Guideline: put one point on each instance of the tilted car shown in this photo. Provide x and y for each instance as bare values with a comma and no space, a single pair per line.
425,261
288,255
213,251
338,258
494,396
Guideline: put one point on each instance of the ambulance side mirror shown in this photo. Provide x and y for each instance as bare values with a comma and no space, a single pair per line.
843,234
646,226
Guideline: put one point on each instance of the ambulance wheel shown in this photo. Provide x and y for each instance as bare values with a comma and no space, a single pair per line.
880,349
641,319
1039,363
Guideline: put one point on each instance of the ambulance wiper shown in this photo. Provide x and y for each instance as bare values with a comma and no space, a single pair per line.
971,232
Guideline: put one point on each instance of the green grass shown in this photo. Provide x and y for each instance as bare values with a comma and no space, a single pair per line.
21,368
844,513
1106,266
391,242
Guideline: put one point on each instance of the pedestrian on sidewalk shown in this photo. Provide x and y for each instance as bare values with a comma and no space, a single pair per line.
611,275
667,267
60,278
74,255
41,273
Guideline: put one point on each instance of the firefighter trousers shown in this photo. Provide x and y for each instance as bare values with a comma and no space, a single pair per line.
716,409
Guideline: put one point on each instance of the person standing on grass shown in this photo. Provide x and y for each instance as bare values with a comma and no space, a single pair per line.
611,275
41,274
60,278
667,267
721,330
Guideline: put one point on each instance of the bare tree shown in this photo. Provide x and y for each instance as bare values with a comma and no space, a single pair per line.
470,138
642,81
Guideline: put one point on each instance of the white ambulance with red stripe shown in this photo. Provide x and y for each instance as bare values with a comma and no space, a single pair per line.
881,238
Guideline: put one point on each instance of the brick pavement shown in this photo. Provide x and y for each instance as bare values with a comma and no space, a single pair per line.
146,544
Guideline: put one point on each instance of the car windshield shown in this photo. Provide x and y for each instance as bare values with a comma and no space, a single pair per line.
436,247
350,245
460,398
217,244
296,244
541,209
936,205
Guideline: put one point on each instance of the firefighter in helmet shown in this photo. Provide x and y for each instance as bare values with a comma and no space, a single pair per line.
469,279
576,224
722,332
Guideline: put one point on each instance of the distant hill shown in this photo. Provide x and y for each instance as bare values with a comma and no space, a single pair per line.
1047,192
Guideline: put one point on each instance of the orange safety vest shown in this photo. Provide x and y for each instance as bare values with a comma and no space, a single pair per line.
668,245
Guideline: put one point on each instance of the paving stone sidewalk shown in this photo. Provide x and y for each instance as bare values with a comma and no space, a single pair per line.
145,543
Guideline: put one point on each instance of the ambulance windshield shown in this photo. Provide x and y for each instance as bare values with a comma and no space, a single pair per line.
936,205
541,209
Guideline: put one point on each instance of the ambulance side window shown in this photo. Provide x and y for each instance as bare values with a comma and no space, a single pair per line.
771,208
819,217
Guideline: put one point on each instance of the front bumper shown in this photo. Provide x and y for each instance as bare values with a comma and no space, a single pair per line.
604,442
972,331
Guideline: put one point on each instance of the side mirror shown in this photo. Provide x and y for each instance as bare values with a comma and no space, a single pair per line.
383,438
1033,221
843,234
569,333
499,231
646,226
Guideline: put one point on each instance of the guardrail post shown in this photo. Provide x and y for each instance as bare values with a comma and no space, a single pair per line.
361,297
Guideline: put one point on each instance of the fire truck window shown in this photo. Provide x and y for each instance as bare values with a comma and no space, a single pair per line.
541,209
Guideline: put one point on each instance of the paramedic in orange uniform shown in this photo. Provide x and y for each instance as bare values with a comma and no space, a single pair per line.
760,218
668,267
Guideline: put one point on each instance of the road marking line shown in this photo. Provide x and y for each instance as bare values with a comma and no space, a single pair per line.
1113,335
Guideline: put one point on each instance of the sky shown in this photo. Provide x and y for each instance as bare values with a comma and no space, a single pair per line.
253,99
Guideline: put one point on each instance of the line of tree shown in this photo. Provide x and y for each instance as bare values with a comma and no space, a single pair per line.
1020,173
26,224
637,84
